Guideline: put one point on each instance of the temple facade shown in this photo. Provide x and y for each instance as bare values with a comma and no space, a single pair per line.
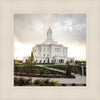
50,51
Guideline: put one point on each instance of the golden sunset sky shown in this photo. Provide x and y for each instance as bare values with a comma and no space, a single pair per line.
67,29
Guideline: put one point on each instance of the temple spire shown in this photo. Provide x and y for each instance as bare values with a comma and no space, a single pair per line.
49,34
49,29
49,39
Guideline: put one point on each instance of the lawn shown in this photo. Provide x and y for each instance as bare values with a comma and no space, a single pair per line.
60,67
21,65
27,70
38,67
15,64
29,65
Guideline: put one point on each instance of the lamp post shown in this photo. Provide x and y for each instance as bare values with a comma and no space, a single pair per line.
82,69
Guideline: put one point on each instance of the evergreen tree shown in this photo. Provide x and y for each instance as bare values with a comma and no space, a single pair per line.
31,58
68,69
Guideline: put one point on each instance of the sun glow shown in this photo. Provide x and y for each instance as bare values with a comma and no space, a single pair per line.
67,29
21,50
79,52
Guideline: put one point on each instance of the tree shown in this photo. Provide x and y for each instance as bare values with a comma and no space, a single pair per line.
31,57
26,61
32,61
68,70
67,62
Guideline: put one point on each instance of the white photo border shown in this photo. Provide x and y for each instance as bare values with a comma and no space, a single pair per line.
10,7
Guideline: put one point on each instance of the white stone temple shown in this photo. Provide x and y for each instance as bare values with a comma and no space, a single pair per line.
50,51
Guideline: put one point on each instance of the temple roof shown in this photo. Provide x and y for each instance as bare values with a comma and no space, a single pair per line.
49,39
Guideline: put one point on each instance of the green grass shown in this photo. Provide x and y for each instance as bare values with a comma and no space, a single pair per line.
27,65
18,64
51,66
56,67
38,67
21,65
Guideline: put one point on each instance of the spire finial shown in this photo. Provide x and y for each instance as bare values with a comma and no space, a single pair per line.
49,29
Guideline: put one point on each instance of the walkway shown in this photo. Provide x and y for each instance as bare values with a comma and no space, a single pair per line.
78,80
44,66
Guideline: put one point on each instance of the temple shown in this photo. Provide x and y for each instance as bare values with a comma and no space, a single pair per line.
50,51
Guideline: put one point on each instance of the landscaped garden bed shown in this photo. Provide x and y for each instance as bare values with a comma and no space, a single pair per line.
22,81
37,71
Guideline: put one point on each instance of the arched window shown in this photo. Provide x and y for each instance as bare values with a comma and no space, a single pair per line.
48,49
40,61
61,61
48,55
57,49
44,49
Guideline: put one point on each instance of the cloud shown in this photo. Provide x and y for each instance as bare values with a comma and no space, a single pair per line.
29,27
68,29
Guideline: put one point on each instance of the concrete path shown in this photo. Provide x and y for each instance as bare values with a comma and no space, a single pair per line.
78,80
44,66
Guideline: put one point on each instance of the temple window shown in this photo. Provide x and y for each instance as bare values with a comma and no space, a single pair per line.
44,49
57,49
48,55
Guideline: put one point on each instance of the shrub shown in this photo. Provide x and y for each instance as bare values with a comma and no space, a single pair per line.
37,82
68,70
46,82
53,83
73,84
63,84
84,84
71,76
21,81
